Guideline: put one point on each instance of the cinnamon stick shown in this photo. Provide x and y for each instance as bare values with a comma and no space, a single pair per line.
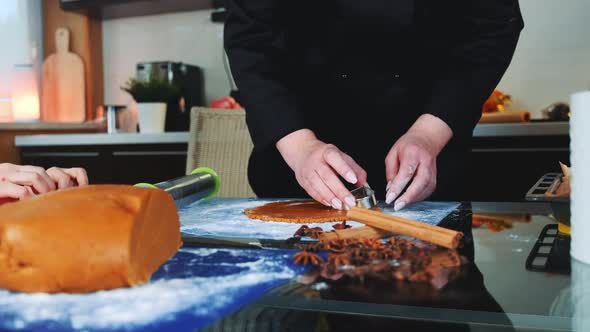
438,235
365,232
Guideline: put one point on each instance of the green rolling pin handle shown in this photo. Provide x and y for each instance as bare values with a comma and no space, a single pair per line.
201,183
211,172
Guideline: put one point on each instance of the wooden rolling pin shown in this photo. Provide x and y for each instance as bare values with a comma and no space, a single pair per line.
438,235
505,117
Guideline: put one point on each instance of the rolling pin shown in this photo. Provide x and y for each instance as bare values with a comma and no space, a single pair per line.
505,117
202,183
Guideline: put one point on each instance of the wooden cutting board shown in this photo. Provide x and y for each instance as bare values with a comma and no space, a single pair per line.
62,83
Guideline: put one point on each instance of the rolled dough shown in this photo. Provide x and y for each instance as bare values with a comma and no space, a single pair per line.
301,212
87,239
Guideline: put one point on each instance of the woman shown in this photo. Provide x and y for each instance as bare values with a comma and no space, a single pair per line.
21,182
345,89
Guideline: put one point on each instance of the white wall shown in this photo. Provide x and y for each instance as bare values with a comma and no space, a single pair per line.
552,59
551,62
20,32
188,37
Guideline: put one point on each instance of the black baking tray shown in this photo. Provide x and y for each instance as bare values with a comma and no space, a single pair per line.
560,206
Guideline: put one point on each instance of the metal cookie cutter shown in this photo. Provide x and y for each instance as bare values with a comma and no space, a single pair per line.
365,197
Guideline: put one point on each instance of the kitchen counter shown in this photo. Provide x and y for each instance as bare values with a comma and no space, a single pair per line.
10,130
102,139
497,292
529,150
52,126
560,128
493,292
481,130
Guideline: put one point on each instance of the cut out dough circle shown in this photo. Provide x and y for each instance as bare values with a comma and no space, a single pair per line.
300,212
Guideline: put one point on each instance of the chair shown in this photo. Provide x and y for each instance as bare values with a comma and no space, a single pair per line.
220,139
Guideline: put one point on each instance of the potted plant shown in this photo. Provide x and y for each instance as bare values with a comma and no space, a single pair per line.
151,97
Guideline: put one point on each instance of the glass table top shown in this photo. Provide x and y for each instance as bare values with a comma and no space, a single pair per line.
495,292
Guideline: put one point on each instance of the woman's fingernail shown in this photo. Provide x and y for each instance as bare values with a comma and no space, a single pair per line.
389,197
326,203
350,177
388,185
399,205
336,204
350,201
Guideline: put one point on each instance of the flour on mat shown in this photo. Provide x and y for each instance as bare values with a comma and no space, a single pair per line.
223,217
157,301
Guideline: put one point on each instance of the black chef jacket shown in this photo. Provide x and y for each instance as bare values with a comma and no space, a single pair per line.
359,73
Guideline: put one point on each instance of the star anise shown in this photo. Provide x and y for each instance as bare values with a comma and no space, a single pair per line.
307,231
340,226
301,231
339,259
314,232
306,258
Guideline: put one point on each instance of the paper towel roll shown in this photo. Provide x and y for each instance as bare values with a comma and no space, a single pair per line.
580,175
580,297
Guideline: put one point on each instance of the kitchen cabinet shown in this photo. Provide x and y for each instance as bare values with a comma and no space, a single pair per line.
117,164
10,153
116,159
507,159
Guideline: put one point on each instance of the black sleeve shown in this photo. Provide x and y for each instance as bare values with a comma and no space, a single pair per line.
255,45
485,42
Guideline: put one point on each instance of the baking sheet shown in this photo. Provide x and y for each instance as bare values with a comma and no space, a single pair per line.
224,217
190,291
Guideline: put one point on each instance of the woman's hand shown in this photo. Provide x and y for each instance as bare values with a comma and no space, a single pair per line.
68,177
317,166
20,182
411,162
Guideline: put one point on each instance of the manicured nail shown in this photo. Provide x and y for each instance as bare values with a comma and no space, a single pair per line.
350,201
399,205
350,177
326,203
336,204
390,197
388,185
